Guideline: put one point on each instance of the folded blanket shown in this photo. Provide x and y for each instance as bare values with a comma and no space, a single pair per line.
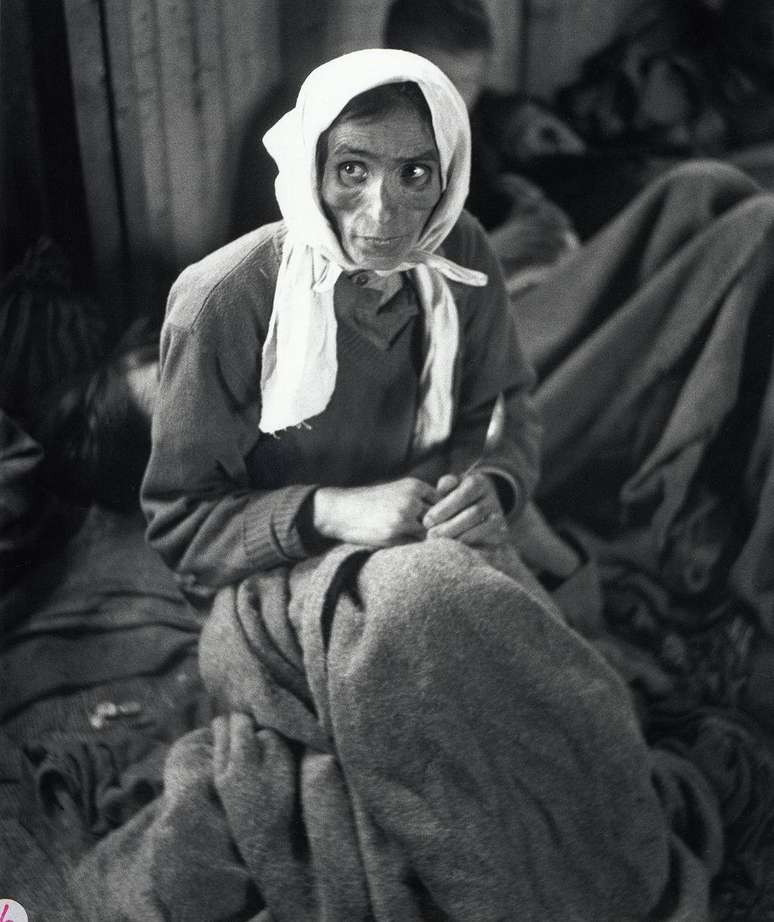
404,735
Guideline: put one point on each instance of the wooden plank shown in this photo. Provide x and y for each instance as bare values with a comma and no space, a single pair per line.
251,43
507,68
304,27
354,24
152,147
210,91
126,122
23,199
90,88
189,193
251,35
138,119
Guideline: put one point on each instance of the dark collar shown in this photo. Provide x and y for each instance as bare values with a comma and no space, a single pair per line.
381,324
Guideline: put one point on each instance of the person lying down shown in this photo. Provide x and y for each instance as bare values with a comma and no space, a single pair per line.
407,728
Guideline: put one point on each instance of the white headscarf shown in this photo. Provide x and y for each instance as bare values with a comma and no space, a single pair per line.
299,356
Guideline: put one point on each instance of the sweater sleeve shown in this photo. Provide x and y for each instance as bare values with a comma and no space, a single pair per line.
205,518
492,362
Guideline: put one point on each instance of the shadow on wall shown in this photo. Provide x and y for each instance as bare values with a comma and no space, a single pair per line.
41,179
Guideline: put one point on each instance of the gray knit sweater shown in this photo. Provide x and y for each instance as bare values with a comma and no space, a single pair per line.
223,499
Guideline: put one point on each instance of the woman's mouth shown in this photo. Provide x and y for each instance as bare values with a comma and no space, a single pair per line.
382,243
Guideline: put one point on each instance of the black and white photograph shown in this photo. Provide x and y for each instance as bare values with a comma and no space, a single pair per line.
387,460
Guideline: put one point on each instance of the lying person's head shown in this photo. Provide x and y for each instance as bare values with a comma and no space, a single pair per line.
50,330
95,431
456,35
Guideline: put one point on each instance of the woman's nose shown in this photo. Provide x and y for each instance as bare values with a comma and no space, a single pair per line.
381,201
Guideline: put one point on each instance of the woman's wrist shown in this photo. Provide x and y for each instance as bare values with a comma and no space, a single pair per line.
324,506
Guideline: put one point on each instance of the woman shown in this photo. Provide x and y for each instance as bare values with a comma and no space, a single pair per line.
404,732
358,418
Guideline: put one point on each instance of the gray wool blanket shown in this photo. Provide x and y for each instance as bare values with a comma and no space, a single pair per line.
408,734
654,348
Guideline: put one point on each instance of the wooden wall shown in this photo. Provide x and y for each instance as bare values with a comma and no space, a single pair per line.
163,88
41,188
22,191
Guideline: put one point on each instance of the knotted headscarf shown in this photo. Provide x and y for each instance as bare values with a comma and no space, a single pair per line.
299,356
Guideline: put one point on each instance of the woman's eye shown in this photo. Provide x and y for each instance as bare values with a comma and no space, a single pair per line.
416,174
352,172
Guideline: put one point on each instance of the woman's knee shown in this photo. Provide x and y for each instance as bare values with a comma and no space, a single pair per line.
434,587
414,616
425,575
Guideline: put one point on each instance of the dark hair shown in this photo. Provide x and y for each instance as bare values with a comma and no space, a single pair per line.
48,331
379,100
96,437
451,25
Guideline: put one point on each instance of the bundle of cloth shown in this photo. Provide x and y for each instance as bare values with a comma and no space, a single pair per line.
653,347
490,767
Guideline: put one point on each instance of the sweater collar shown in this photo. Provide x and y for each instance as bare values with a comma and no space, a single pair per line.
380,324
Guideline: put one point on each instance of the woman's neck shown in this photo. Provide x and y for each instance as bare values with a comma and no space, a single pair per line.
389,286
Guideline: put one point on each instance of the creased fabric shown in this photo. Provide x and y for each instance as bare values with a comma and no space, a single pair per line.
653,347
299,363
386,752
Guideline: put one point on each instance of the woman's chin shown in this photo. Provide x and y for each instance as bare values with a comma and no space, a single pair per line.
382,256
378,263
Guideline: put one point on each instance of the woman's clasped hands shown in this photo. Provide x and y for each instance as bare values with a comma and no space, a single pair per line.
464,508
467,508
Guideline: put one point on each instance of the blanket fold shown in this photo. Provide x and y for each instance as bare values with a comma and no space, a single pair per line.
653,350
385,751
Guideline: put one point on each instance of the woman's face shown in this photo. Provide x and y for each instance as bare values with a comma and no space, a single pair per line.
380,183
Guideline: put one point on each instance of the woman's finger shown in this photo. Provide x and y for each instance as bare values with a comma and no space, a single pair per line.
469,518
460,498
470,491
493,530
446,484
